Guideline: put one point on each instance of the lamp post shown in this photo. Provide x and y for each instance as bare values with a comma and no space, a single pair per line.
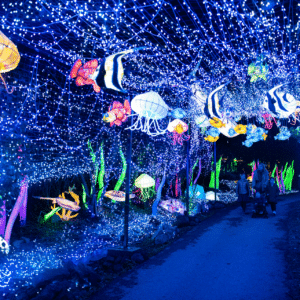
127,192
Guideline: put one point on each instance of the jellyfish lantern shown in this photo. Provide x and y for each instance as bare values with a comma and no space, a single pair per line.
146,184
149,108
177,129
9,56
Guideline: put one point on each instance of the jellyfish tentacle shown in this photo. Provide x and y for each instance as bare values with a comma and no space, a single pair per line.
6,85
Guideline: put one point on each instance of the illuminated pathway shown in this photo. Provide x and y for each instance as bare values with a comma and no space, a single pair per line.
229,256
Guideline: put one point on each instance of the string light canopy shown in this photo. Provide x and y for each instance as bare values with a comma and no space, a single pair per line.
187,49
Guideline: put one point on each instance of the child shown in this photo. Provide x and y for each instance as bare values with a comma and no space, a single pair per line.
272,193
242,191
259,204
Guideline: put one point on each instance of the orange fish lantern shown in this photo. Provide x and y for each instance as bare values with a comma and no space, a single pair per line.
9,56
177,128
117,113
86,74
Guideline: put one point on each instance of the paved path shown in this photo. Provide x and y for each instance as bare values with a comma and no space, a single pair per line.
229,256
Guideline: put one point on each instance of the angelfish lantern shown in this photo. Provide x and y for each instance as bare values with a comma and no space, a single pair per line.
146,184
9,56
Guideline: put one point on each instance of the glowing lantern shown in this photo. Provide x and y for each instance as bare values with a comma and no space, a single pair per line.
117,195
178,128
215,122
67,206
9,56
146,184
240,129
211,139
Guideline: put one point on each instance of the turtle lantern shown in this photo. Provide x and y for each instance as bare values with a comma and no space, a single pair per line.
9,56
146,184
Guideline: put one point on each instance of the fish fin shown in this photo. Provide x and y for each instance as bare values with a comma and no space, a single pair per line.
75,68
112,123
96,87
89,81
117,105
92,64
118,122
119,114
80,81
127,107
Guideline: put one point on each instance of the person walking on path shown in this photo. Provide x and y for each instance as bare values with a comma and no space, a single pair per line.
260,179
242,191
272,192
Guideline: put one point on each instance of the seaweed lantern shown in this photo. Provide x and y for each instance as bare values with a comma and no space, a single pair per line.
146,184
9,56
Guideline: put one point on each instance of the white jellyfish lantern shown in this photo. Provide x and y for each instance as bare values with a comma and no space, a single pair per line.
149,108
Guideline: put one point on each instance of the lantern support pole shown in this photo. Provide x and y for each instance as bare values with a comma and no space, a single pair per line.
128,171
215,167
187,199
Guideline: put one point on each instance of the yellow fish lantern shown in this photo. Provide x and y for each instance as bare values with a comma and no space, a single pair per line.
9,56
240,129
215,122
211,139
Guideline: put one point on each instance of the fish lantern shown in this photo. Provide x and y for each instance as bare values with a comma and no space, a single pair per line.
279,104
240,129
9,56
117,195
202,121
146,184
107,73
228,129
178,113
177,128
215,122
211,139
149,108
283,134
117,113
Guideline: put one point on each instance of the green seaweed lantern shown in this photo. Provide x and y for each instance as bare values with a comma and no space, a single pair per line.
146,184
289,177
212,177
122,176
101,173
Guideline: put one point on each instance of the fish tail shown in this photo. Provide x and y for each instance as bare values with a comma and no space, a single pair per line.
75,68
127,107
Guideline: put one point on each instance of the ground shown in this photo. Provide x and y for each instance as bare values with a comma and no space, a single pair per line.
228,256
224,252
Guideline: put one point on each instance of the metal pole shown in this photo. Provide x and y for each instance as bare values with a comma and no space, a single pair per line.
187,200
128,172
215,167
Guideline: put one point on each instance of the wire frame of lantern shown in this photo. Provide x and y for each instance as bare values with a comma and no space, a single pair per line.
9,56
149,108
